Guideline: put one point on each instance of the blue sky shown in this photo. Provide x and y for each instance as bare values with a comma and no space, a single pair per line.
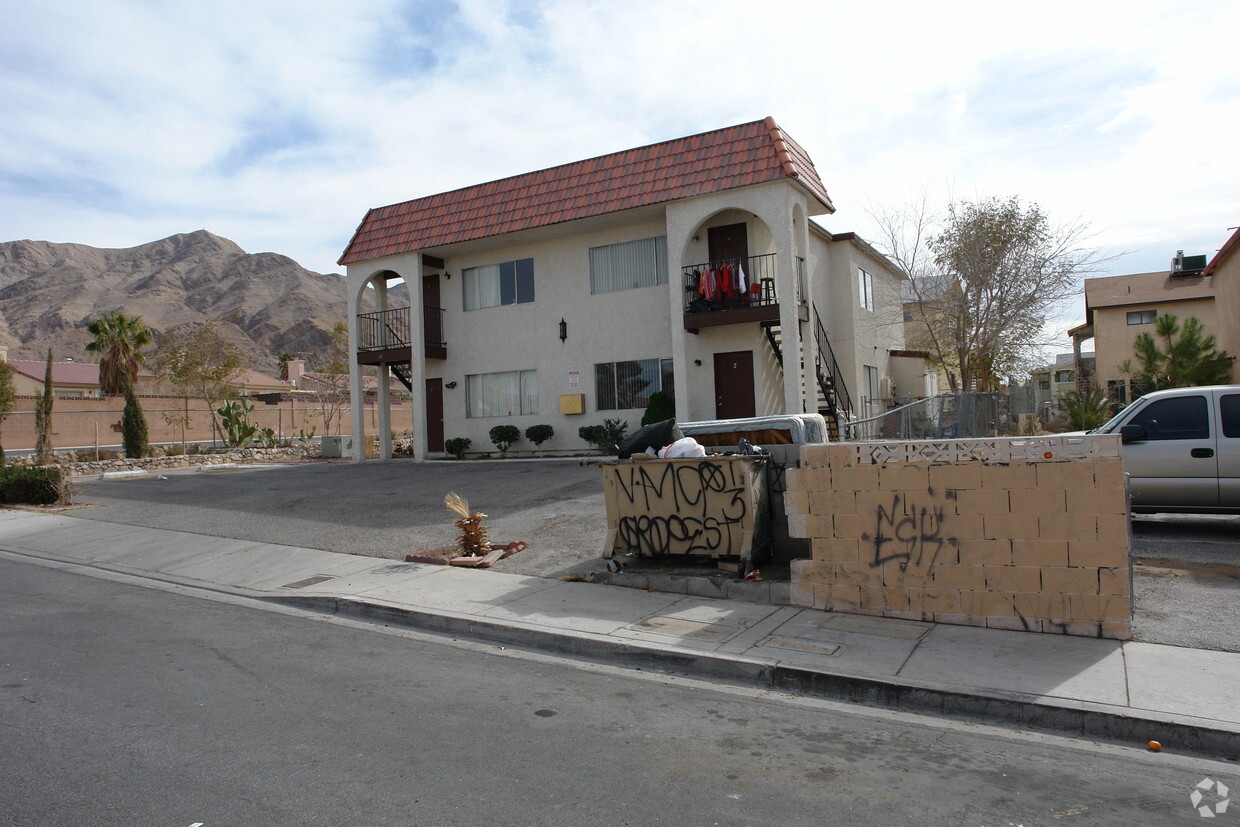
277,124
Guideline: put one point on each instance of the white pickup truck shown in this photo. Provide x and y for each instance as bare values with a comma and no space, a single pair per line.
1181,449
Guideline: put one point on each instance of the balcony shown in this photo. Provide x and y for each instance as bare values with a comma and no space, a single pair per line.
383,336
714,294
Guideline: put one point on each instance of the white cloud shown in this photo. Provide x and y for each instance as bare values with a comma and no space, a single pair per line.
278,124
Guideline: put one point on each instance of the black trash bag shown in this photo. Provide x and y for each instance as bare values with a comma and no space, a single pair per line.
655,435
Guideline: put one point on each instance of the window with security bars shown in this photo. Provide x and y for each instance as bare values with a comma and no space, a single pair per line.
628,265
509,393
621,385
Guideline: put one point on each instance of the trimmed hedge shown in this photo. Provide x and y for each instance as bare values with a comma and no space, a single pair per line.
30,486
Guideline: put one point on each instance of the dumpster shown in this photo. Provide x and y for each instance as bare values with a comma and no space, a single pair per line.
713,506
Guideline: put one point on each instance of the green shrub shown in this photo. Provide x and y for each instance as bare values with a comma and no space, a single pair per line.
605,437
1086,411
538,434
503,436
660,407
32,486
457,446
133,426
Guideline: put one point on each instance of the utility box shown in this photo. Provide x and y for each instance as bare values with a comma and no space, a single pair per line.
336,446
713,506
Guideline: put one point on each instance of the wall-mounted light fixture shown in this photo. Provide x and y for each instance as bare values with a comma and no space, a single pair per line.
450,385
697,362
447,276
563,330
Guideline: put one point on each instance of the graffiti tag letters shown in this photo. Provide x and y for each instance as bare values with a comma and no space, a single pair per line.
681,507
910,535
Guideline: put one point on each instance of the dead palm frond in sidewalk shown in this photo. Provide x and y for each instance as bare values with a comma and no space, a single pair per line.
472,541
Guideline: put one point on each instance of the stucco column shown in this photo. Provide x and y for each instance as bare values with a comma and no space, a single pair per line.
789,322
806,329
678,232
355,284
417,356
384,401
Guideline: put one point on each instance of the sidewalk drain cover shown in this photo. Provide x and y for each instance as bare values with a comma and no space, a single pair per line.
808,646
310,581
396,568
693,629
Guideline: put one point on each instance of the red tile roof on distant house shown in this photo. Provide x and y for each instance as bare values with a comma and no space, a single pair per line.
64,373
738,156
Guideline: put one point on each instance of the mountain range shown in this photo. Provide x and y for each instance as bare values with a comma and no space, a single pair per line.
49,292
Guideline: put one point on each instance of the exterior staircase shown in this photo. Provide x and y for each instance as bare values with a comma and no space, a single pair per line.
403,371
834,401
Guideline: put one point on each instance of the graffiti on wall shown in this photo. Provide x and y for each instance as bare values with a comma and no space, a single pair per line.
693,508
909,533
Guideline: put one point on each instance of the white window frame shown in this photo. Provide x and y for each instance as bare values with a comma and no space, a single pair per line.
627,265
483,286
865,288
504,393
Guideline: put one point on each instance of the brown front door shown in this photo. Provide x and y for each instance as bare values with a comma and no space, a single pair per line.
727,243
734,396
434,414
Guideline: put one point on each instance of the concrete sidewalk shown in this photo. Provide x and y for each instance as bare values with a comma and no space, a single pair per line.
1189,699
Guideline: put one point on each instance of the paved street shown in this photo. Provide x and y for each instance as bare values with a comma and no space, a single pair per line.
138,705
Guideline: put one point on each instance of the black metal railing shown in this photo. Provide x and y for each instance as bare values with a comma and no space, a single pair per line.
389,329
383,330
432,319
730,284
830,378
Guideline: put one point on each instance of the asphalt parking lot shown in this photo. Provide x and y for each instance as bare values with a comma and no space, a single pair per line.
379,509
1186,572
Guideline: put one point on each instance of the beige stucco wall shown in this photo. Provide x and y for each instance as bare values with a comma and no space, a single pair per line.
1114,337
1020,534
859,336
1227,295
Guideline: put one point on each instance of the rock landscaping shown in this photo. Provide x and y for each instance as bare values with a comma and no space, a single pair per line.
83,464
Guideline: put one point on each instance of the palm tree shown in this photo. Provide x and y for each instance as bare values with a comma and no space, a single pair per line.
119,340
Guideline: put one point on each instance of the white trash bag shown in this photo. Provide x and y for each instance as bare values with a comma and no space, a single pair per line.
687,447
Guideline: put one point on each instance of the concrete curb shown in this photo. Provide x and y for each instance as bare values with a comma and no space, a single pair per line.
995,707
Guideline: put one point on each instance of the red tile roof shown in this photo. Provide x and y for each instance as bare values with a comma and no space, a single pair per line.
64,373
738,156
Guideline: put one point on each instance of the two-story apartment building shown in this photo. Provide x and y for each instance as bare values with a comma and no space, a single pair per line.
569,295
1120,308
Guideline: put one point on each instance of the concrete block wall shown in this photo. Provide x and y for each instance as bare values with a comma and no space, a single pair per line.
1024,534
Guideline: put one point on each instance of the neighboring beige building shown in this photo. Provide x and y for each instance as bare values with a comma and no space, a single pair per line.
1052,382
567,296
69,378
81,379
1119,308
1224,271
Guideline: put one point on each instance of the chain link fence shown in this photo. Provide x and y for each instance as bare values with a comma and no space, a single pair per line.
946,416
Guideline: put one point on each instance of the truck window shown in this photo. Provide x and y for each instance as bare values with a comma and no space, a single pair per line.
1182,417
1229,413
